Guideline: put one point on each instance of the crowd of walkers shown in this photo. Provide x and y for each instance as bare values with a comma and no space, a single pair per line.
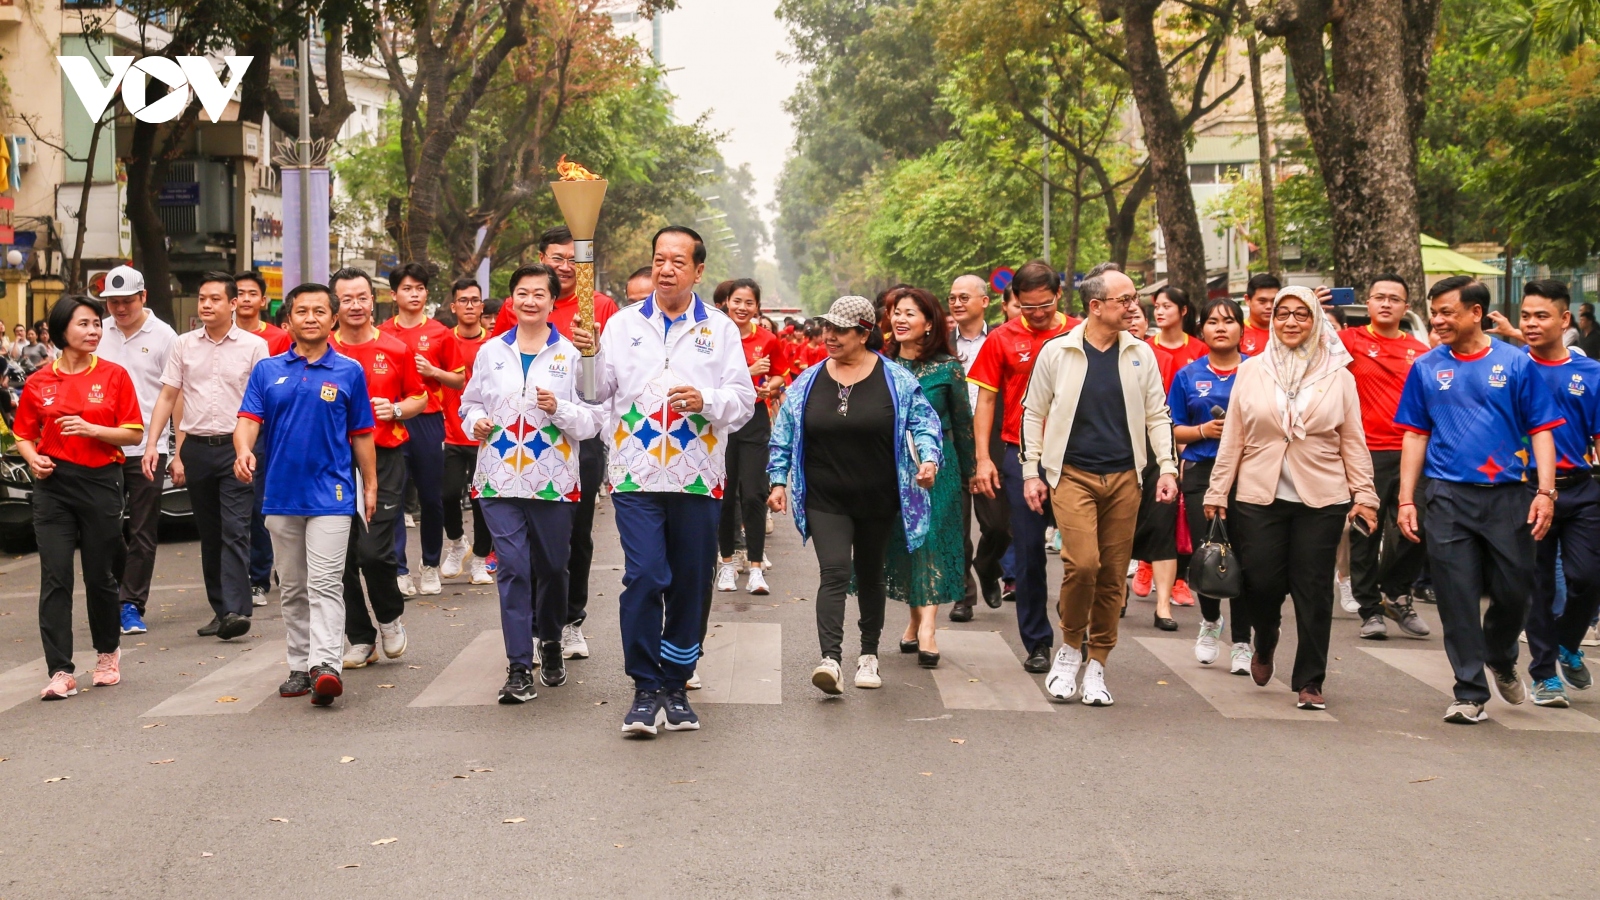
1445,465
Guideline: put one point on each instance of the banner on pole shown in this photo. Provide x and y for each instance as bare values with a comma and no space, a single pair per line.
295,271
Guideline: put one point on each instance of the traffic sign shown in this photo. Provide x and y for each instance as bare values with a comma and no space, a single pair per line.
1000,278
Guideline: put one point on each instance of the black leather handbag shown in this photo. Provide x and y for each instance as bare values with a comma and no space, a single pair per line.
1214,567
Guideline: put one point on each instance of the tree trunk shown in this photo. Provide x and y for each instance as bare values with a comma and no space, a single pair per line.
75,280
1269,210
1363,118
146,173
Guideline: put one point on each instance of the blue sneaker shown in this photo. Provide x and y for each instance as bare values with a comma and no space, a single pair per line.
132,622
646,715
1573,669
680,715
1550,692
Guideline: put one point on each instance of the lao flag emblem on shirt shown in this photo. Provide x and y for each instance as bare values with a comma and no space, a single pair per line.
330,391
1446,377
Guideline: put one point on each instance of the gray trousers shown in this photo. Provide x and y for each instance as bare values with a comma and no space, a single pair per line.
310,554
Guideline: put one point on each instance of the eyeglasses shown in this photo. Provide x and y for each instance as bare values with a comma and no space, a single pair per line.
470,301
1128,300
559,261
1299,315
1025,307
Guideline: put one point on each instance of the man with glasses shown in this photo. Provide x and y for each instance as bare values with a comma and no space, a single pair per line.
557,250
460,450
1381,357
969,302
1094,402
1003,367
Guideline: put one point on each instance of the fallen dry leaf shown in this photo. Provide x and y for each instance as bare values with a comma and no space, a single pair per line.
381,841
483,770
972,681
686,781
203,855
161,762
351,866
413,667
347,759
183,673
619,846
925,773
600,703
140,644
57,778
161,648
517,821
217,657
227,699
386,685
155,725
463,777
276,819
1429,778
1161,682
958,740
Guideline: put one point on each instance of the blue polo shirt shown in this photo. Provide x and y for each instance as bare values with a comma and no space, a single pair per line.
1575,384
1476,410
308,412
1195,389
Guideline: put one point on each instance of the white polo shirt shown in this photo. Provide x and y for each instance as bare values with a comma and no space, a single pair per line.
144,355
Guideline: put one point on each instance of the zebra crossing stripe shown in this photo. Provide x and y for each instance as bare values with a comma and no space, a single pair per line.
1432,668
1235,696
977,670
743,663
26,681
473,678
249,678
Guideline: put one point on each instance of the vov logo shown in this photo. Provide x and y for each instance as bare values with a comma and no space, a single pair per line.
182,75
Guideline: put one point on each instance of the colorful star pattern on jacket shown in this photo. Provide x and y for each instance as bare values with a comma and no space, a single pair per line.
533,455
677,450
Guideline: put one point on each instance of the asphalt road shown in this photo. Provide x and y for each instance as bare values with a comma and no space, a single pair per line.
901,792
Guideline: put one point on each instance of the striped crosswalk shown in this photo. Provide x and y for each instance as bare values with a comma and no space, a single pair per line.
1432,668
1235,696
234,689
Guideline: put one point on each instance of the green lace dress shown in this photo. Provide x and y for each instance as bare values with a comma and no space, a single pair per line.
936,573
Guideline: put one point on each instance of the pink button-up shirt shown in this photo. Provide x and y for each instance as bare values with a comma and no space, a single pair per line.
212,376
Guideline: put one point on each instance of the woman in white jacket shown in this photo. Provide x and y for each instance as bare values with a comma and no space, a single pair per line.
522,405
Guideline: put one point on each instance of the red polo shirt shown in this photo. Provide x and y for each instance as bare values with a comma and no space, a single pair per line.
436,343
277,339
561,315
101,394
467,352
1006,363
1380,366
763,344
1253,340
391,374
1170,359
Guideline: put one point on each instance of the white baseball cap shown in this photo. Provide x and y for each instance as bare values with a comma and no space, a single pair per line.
123,281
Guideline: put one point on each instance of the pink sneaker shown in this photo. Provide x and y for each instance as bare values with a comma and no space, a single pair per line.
107,668
1181,595
62,685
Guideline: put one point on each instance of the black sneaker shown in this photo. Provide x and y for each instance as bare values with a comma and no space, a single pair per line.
680,715
646,715
552,668
298,685
325,685
233,625
1039,660
210,628
519,685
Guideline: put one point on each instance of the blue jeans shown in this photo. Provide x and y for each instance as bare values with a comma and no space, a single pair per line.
1028,565
669,543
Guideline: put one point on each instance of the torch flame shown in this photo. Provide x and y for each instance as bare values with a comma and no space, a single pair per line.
571,171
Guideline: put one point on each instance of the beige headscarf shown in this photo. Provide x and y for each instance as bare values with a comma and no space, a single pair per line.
1296,370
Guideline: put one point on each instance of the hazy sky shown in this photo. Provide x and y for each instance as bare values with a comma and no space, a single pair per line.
723,57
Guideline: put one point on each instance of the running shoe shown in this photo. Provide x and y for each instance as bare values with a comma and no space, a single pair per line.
680,715
108,668
519,685
258,595
552,666
132,622
1551,692
1401,610
455,554
727,577
756,583
325,685
1374,629
1347,597
298,684
693,684
394,639
1573,669
1311,698
480,572
1062,682
1205,647
867,676
769,521
1465,712
1509,685
1143,580
741,561
62,685
407,585
429,582
573,646
359,656
491,564
1094,685
646,715
1591,638
1239,659
826,676
1181,595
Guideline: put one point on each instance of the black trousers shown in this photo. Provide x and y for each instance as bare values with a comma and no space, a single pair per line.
135,561
1290,548
460,463
1575,535
591,471
994,538
222,508
745,496
1155,534
371,554
1384,562
1196,481
1479,537
78,508
844,543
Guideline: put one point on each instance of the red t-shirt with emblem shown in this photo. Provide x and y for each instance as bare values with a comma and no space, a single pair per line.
561,315
1253,340
1170,359
1379,366
467,352
1006,363
436,343
763,344
277,339
391,374
101,394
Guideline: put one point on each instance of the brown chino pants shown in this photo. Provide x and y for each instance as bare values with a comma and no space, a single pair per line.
1096,515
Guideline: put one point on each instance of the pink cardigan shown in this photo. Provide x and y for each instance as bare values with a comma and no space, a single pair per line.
1330,466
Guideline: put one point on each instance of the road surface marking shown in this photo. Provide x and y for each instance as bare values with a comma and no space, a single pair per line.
1235,696
742,663
1432,668
473,678
250,678
977,670
19,564
26,681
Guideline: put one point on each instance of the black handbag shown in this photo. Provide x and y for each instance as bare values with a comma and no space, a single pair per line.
1214,567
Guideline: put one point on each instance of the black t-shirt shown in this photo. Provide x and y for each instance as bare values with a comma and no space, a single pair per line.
1099,441
850,468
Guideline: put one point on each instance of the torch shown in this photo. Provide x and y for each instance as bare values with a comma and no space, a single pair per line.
579,193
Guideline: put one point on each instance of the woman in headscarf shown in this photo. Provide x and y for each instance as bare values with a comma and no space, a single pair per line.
1296,456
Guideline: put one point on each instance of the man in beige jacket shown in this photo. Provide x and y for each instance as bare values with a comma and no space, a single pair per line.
1093,403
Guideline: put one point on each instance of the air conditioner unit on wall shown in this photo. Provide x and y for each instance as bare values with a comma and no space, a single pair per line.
26,155
197,198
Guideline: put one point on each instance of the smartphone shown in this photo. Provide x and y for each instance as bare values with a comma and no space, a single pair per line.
1359,526
1344,296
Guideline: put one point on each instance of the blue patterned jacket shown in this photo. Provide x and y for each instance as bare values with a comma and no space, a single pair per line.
786,463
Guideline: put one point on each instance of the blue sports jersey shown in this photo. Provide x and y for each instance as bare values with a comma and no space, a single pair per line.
309,412
1195,390
1476,411
1575,384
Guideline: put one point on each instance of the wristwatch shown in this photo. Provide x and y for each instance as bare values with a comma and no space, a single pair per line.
1552,493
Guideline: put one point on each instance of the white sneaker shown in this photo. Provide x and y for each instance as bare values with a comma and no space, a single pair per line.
1591,638
867,672
1205,649
455,553
480,572
741,561
1239,663
693,684
430,581
408,585
727,577
766,563
769,521
1062,682
1094,685
411,521
756,583
1347,598
573,646
827,676
394,638
359,656
1133,567
258,595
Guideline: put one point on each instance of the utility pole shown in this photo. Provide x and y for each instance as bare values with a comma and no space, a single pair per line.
1045,170
303,101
